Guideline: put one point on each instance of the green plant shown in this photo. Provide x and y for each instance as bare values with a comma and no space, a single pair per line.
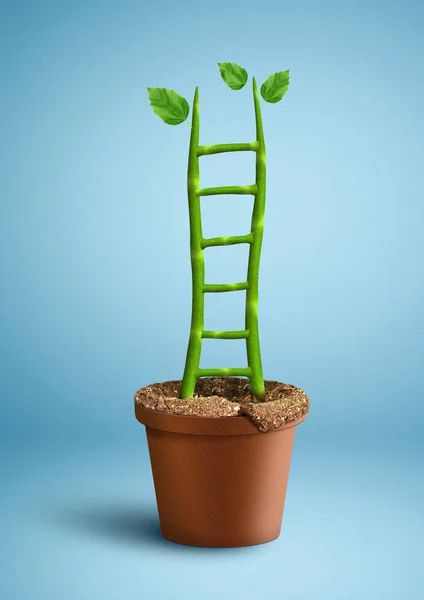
173,110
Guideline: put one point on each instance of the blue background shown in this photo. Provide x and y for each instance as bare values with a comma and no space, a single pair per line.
95,298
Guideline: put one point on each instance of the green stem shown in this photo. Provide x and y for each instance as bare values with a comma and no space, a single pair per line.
225,287
252,342
227,241
224,372
197,260
218,148
226,335
228,189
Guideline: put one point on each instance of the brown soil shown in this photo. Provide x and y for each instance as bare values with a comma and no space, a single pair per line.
229,397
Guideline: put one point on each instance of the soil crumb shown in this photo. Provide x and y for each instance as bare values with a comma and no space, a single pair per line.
229,397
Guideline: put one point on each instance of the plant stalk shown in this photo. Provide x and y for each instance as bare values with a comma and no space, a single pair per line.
197,259
257,387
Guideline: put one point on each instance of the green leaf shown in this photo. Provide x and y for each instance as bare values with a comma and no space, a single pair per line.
168,105
233,75
275,86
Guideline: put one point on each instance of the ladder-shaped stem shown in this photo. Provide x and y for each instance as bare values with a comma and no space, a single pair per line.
198,244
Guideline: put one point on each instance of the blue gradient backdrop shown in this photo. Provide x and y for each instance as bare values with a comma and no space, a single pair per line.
95,295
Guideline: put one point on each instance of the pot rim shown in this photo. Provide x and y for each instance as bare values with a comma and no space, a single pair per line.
237,425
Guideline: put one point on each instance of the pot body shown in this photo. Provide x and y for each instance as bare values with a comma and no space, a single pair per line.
218,484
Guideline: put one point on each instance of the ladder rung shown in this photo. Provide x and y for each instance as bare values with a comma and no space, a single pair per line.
224,372
225,287
218,148
228,189
226,335
227,241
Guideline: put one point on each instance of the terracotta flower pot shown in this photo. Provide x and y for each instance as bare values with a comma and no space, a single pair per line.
219,482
